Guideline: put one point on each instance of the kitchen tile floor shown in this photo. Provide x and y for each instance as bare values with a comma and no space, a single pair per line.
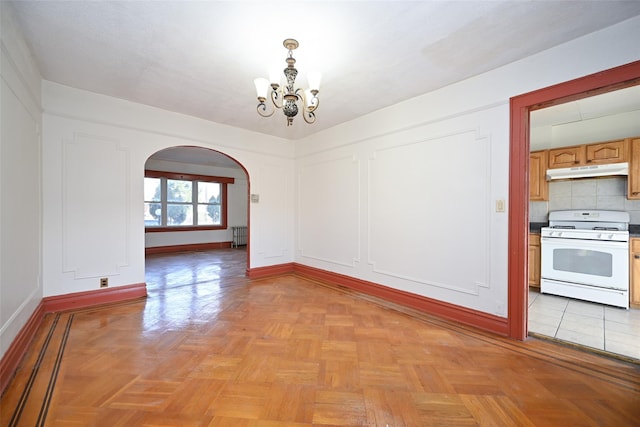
614,330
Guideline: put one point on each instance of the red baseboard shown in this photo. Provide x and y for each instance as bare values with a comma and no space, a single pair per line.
187,248
456,313
93,298
18,348
272,270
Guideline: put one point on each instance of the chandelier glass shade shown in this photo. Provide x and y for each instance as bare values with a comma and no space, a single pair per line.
286,97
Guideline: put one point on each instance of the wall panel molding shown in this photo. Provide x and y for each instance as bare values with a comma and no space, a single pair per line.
331,187
275,191
93,194
424,168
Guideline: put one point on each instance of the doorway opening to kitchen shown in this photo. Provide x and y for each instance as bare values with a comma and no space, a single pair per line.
523,110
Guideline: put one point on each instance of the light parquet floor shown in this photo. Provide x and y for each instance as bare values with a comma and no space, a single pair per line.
209,347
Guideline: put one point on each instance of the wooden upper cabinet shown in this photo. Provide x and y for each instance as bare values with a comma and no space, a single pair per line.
538,185
567,157
590,154
633,190
607,152
618,151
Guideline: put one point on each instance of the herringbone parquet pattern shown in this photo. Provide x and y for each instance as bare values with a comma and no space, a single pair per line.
211,348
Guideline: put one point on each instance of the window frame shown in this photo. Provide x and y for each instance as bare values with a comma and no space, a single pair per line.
223,181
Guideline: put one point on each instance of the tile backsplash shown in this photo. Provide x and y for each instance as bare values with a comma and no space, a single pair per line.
607,193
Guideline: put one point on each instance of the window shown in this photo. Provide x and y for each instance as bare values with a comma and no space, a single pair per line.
186,202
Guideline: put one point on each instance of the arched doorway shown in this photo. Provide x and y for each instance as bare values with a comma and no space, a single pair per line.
195,198
521,106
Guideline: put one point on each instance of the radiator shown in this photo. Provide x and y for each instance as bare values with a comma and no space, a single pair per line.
239,236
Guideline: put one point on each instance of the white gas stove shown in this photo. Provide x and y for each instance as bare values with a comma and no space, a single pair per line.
585,255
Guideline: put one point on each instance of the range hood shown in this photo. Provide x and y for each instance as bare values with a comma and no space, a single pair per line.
588,171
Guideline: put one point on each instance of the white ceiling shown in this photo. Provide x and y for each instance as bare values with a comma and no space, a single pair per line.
603,111
200,58
593,107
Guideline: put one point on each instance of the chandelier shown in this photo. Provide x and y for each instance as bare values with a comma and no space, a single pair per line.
287,97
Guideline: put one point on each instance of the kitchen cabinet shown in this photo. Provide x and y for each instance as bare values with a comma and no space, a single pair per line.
567,157
607,152
634,272
538,185
633,182
534,260
590,154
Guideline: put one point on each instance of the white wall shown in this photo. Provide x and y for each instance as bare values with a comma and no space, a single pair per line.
20,192
94,153
237,201
406,196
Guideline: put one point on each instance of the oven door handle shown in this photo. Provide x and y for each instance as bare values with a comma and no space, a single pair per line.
583,243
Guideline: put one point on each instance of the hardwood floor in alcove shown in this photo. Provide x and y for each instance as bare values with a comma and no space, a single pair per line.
210,347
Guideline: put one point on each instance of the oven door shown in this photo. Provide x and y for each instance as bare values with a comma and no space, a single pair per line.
587,262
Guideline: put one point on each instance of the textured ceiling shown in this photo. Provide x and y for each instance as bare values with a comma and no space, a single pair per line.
200,58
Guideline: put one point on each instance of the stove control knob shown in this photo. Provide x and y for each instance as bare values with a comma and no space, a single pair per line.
599,236
610,236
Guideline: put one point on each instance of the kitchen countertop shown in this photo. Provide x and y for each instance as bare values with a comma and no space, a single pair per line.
534,227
